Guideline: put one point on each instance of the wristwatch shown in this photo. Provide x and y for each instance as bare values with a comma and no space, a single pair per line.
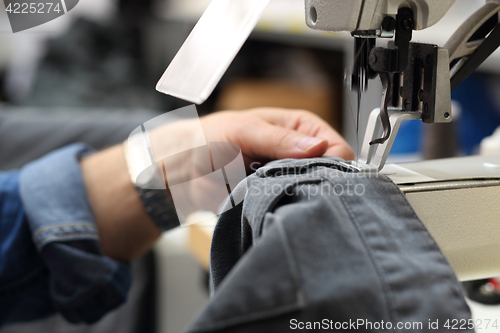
160,207
150,185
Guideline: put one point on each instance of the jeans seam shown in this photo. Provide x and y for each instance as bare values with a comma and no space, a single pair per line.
265,206
64,232
301,297
61,238
388,294
62,226
267,173
432,242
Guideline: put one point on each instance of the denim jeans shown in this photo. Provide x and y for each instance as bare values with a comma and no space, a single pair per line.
318,246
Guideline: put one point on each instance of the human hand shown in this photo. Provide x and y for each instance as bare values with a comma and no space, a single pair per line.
260,134
126,230
266,134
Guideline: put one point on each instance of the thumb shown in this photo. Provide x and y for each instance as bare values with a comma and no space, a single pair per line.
274,142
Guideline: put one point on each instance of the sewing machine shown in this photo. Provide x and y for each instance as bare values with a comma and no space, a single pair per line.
457,199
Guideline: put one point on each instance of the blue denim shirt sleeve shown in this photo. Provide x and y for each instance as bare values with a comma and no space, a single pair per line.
23,276
58,226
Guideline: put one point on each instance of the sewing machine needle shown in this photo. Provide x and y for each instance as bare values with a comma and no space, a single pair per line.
358,116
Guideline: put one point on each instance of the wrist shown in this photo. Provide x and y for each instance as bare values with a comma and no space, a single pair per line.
149,180
125,229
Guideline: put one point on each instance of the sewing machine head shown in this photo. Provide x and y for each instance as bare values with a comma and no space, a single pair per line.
417,78
368,16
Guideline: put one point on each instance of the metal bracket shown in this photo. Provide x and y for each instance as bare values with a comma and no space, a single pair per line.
395,58
375,156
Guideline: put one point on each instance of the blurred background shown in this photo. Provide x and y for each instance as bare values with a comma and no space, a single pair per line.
90,76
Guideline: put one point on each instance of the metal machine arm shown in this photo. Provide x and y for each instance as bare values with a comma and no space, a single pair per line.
415,77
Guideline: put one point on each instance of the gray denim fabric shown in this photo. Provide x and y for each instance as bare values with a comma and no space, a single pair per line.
311,244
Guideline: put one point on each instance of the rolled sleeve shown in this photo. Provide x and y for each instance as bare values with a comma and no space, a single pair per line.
23,277
84,284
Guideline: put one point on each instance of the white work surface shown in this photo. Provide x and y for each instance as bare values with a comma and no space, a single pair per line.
458,201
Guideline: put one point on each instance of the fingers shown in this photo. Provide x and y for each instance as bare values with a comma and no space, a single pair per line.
271,133
311,125
314,125
265,141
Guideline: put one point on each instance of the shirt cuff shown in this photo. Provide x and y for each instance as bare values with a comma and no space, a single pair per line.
84,284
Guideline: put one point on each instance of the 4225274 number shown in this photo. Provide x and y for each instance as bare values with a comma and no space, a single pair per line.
33,8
